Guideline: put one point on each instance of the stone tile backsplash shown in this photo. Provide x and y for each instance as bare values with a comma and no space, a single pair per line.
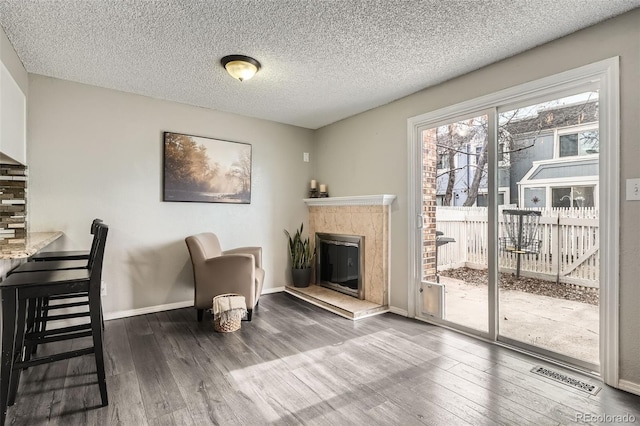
13,206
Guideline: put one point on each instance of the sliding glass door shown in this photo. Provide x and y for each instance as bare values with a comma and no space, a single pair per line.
508,196
549,255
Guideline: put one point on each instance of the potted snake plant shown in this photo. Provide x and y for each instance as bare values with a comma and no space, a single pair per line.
301,258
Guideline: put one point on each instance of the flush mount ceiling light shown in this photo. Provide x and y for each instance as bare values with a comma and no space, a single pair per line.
240,67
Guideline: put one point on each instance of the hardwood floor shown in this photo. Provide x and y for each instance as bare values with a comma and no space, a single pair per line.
297,364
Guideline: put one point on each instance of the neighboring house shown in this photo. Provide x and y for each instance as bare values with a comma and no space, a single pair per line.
561,168
547,160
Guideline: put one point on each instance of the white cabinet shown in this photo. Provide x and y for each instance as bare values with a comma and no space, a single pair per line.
13,119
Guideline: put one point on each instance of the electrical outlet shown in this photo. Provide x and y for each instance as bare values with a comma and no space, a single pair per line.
305,157
103,288
633,189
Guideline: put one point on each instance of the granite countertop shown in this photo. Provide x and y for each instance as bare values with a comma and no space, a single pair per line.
14,248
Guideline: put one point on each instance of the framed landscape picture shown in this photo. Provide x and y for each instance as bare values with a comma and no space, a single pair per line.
206,170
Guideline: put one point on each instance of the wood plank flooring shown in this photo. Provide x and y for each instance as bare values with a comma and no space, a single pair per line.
297,364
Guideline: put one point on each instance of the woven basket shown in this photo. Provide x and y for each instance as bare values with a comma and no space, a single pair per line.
228,326
233,322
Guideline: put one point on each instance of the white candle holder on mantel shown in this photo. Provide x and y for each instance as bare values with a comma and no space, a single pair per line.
313,190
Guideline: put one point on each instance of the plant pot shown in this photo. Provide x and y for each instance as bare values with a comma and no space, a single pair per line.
301,277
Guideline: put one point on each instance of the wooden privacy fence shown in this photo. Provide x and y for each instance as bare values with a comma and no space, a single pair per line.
569,249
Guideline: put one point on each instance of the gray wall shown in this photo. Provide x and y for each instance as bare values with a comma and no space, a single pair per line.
367,153
98,153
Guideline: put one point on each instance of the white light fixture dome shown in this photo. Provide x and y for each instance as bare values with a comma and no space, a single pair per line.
240,67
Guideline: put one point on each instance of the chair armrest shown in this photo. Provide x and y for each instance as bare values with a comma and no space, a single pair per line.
255,251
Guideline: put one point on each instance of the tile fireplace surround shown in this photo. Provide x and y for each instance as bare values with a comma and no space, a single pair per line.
367,216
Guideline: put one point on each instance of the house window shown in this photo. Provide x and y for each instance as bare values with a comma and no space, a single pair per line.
483,200
443,161
535,197
579,143
573,196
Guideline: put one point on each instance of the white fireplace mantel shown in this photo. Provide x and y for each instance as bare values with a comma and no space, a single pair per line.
358,200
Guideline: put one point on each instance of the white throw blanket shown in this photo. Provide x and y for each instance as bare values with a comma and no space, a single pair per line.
229,308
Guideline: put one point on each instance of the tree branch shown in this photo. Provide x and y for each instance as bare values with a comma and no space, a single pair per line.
451,149
519,149
451,170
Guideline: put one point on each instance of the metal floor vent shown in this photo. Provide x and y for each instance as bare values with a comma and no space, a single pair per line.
567,380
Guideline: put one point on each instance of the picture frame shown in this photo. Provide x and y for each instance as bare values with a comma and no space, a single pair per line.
206,170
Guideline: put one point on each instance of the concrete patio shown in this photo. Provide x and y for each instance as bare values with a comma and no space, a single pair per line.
563,326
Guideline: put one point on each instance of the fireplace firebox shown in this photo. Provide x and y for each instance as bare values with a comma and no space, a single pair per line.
340,263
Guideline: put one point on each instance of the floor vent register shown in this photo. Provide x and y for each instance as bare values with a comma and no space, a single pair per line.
567,380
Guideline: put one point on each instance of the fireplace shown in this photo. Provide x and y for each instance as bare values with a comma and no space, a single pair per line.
340,263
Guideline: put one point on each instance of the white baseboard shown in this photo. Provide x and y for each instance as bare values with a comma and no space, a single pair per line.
147,310
168,307
628,386
398,311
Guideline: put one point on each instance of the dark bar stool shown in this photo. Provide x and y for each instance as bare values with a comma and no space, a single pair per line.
68,255
61,260
19,291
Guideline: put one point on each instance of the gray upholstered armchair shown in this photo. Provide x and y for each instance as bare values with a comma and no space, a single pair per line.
218,272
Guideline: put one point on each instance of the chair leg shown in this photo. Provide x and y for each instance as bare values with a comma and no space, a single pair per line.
18,351
32,309
45,314
96,332
31,314
249,312
200,314
42,311
9,298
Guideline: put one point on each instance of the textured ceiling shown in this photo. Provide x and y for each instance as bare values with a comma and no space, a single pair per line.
322,60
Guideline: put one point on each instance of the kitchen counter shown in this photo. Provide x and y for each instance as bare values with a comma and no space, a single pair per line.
13,248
